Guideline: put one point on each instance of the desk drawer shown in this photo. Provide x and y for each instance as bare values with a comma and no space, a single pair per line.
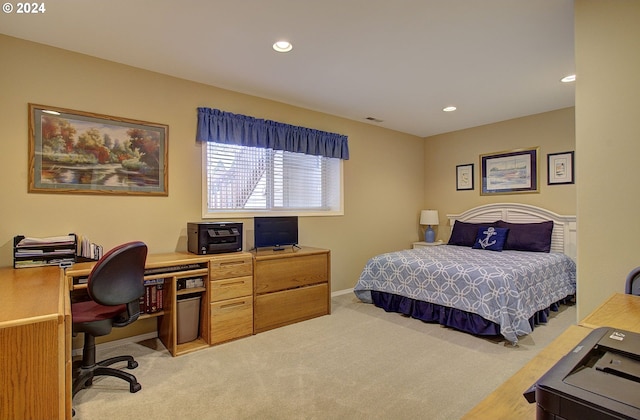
277,309
288,273
230,288
224,267
231,319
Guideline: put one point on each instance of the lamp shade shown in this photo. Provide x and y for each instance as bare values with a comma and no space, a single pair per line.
429,217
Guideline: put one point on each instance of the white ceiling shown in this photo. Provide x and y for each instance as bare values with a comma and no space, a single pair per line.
399,61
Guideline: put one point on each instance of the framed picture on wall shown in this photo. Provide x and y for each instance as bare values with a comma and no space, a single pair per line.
464,177
80,152
560,168
510,172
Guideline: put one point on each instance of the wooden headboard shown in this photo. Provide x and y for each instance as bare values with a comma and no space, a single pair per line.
563,237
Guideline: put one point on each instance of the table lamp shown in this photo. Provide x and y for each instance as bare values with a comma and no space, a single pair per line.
430,218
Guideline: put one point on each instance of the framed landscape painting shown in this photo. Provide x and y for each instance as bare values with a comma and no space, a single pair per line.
86,153
510,172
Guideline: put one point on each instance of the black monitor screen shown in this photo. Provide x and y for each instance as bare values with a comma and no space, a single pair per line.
275,231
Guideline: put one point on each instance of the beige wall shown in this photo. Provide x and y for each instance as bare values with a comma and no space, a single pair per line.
608,146
551,132
384,191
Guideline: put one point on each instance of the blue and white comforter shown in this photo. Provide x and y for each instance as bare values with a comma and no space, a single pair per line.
505,287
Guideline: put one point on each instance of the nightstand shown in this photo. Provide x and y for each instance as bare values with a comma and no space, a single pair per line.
426,244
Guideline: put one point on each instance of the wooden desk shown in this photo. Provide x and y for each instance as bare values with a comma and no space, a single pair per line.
35,344
225,276
36,326
506,402
619,311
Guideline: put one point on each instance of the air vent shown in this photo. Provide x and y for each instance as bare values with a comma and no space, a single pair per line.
373,119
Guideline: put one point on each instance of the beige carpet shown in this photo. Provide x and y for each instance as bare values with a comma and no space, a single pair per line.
357,363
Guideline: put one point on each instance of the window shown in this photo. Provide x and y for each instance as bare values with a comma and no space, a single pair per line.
243,181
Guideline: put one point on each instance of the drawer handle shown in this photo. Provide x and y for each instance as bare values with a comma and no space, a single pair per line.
232,305
232,283
222,264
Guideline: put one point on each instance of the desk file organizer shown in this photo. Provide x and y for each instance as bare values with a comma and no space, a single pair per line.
38,252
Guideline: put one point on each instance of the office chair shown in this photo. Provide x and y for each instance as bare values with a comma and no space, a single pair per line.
115,286
632,286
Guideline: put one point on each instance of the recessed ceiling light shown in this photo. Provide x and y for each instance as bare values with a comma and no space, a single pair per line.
283,46
568,79
449,109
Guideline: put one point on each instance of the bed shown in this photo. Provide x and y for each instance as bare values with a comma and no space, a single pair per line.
472,288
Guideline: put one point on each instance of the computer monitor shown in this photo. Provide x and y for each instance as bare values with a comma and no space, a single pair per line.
275,231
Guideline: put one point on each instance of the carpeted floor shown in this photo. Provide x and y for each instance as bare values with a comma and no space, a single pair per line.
357,363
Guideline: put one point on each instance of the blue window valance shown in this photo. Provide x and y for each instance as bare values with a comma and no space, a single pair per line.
224,127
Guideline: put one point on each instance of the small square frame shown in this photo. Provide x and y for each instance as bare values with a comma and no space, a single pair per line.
464,177
560,168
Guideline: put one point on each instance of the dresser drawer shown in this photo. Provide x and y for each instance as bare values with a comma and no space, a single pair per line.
288,273
286,307
228,266
230,288
231,319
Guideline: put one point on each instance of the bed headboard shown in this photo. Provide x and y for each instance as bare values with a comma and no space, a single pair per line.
563,237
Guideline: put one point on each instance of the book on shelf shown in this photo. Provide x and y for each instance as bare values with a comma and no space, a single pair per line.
153,299
88,249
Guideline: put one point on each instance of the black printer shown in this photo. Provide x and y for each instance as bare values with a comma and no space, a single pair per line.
599,379
214,237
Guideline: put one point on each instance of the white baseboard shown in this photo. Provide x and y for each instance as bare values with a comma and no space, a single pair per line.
115,343
341,292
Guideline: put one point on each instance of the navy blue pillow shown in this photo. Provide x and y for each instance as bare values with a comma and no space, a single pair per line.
490,238
534,237
464,233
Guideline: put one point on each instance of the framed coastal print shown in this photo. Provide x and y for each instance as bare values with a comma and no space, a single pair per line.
86,153
510,172
560,168
464,177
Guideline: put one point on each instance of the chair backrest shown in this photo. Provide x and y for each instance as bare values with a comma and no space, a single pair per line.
632,286
118,277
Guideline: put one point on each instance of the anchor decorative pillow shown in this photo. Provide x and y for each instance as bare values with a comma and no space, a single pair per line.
490,238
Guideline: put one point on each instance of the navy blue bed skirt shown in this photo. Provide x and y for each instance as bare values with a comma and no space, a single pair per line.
451,317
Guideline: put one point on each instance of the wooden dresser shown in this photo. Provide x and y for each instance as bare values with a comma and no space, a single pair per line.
290,285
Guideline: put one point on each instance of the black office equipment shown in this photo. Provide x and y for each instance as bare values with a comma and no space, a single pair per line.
214,237
275,231
599,379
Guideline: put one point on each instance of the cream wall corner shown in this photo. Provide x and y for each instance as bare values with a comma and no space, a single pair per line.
607,146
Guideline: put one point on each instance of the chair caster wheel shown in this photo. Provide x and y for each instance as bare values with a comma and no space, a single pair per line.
132,365
135,387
